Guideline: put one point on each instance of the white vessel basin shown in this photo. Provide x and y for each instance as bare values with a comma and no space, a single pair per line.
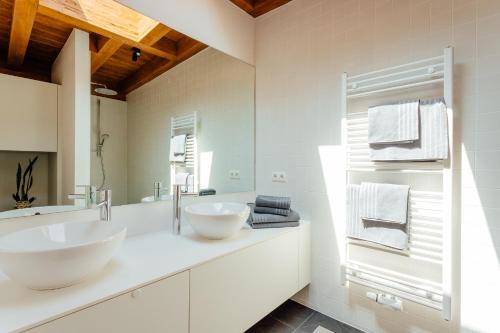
38,210
164,197
59,255
217,220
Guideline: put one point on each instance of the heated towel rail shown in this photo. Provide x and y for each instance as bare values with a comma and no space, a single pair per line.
431,213
186,124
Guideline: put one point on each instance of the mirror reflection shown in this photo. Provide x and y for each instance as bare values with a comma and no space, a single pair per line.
131,121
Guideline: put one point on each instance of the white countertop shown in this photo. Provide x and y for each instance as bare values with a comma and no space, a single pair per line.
139,261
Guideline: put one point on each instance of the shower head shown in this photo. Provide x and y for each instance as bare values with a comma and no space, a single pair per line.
104,90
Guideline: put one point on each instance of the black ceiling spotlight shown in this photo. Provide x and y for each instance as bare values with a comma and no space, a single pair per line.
136,53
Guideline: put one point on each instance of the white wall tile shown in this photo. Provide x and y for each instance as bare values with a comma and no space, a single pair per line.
302,49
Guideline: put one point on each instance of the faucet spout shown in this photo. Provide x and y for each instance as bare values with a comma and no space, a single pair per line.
88,196
176,216
105,206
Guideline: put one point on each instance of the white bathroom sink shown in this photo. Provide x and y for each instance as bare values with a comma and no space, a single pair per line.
59,255
164,197
38,211
217,220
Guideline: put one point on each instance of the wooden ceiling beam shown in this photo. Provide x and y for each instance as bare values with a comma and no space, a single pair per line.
93,21
145,74
155,34
263,6
105,52
246,5
186,48
259,7
94,43
167,45
107,46
23,17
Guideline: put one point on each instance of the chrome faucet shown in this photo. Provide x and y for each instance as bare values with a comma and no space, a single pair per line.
89,196
176,216
157,189
105,206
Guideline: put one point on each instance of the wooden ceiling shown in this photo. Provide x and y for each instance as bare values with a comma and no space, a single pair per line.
259,7
32,33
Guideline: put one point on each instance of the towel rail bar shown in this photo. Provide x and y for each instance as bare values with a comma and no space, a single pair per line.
418,62
401,87
426,287
419,291
397,274
425,76
430,68
396,292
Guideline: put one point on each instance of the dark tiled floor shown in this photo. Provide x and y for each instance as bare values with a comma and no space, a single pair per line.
292,317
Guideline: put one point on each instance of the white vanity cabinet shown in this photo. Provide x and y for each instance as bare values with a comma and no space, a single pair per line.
225,294
29,114
162,306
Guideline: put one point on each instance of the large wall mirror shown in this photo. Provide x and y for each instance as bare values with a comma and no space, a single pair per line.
135,123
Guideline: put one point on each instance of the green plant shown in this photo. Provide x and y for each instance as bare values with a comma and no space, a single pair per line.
23,188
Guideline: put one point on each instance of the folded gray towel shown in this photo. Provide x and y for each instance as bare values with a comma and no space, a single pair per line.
273,202
207,191
389,234
270,210
274,225
432,144
383,202
393,123
256,218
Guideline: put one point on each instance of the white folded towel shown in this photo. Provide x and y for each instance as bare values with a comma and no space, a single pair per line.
394,123
432,144
178,148
388,234
384,202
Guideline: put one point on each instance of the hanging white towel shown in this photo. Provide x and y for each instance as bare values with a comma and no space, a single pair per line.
432,144
178,148
190,184
384,202
186,181
181,178
388,234
394,123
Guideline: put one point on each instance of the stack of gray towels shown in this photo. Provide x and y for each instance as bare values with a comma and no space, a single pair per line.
272,212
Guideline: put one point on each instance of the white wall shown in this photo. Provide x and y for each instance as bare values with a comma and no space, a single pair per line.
8,170
71,70
113,123
217,23
28,107
301,51
221,89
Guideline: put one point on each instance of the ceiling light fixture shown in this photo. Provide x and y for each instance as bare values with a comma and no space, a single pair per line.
136,53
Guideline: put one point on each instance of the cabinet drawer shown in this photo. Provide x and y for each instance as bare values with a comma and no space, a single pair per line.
159,307
230,294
